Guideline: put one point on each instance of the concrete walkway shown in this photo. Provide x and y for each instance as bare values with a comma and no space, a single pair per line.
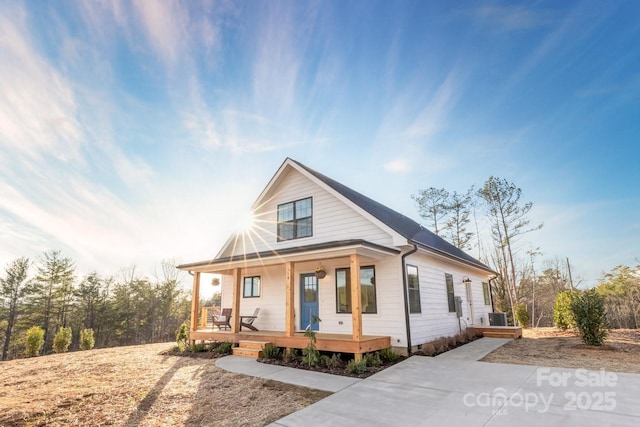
317,380
456,390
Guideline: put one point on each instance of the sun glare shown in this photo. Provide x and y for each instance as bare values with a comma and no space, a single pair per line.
246,223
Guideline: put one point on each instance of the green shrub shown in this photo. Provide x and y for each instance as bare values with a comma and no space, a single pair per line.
562,313
310,354
372,359
388,355
324,360
182,336
334,362
35,341
290,355
357,367
590,317
522,316
224,348
197,348
62,340
87,341
271,351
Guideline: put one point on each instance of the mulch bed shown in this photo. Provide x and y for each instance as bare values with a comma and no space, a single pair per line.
342,370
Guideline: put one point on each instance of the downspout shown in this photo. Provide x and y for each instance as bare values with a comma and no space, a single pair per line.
406,297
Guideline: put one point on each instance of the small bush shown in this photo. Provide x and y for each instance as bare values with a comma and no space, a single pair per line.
197,348
461,338
429,349
224,348
87,341
372,359
271,351
522,316
562,313
182,336
590,317
388,355
441,345
290,355
62,340
324,360
470,334
357,367
310,356
35,341
334,361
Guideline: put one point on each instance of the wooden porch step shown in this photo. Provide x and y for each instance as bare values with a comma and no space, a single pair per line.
252,344
249,348
247,352
491,334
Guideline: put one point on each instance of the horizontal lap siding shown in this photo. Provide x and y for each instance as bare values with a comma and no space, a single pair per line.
333,220
271,300
388,321
436,320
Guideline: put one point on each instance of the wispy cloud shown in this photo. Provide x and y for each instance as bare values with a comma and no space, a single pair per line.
37,105
398,165
165,24
508,18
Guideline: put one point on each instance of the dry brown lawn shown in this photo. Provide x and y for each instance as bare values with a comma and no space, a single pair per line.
137,386
552,347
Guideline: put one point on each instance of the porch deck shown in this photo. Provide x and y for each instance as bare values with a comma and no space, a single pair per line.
513,332
341,343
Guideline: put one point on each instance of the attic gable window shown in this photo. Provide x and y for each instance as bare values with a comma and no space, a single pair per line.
295,219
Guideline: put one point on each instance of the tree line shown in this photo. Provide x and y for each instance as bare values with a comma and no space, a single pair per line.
518,285
121,310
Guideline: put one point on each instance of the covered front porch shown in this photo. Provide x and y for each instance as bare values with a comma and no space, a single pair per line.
291,264
341,343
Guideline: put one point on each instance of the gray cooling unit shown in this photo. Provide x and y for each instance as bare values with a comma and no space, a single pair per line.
497,319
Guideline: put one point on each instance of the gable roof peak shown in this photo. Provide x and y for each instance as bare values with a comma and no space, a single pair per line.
414,232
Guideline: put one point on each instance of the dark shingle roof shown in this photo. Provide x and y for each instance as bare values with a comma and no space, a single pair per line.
403,225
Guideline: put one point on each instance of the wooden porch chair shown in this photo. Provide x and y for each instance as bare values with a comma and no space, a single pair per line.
247,321
223,321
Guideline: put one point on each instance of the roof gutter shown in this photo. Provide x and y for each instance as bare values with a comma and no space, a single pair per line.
406,297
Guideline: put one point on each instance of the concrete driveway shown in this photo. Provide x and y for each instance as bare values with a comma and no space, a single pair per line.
456,390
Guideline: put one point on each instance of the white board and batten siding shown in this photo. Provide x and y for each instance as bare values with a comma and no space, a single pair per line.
333,220
435,320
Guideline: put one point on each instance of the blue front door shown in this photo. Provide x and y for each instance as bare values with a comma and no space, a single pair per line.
309,300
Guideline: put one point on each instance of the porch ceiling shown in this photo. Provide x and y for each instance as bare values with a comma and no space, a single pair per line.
337,249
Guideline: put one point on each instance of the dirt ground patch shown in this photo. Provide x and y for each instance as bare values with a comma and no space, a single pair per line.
552,347
138,386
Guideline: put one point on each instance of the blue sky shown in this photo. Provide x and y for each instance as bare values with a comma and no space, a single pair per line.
136,131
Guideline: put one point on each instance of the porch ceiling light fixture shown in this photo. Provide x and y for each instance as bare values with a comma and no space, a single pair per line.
466,280
320,271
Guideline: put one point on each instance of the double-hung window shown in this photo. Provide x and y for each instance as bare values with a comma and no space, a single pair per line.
295,219
485,291
450,294
413,285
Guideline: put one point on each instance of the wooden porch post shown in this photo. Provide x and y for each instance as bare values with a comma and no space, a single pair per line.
235,305
356,301
195,301
203,318
290,325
